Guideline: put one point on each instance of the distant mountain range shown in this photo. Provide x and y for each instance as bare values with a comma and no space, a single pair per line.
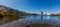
8,14
10,11
55,14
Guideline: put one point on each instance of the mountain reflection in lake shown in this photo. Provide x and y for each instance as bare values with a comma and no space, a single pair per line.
35,21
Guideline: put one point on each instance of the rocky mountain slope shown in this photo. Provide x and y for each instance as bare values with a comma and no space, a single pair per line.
7,10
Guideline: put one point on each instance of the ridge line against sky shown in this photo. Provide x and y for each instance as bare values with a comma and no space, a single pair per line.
33,6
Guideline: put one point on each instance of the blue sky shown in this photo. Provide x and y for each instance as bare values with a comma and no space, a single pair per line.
33,6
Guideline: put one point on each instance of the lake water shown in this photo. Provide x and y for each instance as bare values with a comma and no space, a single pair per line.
52,20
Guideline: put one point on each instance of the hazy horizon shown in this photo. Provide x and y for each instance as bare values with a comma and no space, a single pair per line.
33,6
